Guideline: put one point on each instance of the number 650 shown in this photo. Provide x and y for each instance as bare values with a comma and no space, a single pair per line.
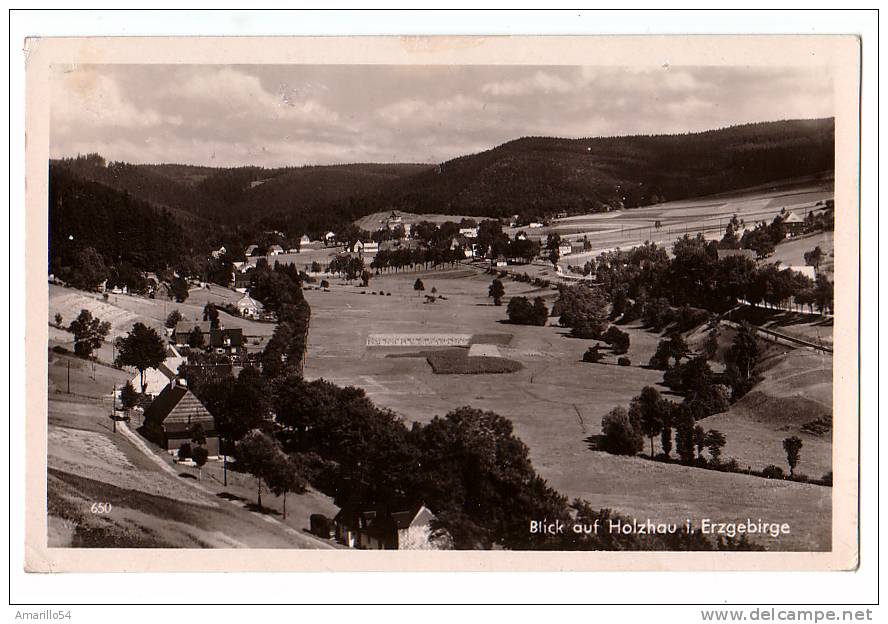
100,508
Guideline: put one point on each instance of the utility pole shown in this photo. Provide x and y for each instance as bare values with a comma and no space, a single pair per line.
114,409
69,376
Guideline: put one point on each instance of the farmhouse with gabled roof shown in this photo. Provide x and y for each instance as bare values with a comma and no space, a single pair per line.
172,417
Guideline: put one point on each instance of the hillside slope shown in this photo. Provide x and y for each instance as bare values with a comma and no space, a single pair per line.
547,175
532,176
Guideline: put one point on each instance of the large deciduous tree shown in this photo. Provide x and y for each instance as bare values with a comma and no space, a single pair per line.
259,455
583,309
497,291
89,270
89,333
650,410
211,314
286,477
142,348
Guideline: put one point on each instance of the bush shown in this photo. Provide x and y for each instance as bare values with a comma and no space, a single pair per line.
773,472
522,312
618,339
129,398
185,451
60,350
624,361
827,478
593,355
619,435
173,319
200,455
688,318
388,294
730,466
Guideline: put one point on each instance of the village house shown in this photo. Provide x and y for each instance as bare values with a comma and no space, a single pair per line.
219,252
469,232
793,223
305,240
183,331
564,249
173,417
379,529
156,379
393,220
227,340
249,307
222,339
242,281
249,250
329,238
534,225
364,247
808,271
469,248
275,250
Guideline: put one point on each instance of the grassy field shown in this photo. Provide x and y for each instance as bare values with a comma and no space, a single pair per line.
709,215
122,311
791,252
556,402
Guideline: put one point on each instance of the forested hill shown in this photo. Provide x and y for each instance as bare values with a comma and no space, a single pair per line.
548,175
536,175
241,195
304,192
125,229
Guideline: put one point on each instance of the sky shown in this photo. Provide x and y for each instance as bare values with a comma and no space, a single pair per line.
291,115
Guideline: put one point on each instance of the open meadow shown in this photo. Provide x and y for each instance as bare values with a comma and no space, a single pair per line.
555,402
122,311
707,215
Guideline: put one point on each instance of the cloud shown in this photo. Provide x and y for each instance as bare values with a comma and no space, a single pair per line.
420,111
314,114
91,99
539,82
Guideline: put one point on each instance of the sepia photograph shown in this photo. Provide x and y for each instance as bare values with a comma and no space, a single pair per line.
451,305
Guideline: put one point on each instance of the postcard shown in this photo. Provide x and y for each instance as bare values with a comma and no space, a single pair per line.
442,303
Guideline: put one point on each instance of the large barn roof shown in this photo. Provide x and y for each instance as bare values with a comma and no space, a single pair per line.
177,410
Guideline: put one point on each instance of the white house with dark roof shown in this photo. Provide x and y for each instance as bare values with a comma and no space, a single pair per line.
156,379
373,528
249,307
